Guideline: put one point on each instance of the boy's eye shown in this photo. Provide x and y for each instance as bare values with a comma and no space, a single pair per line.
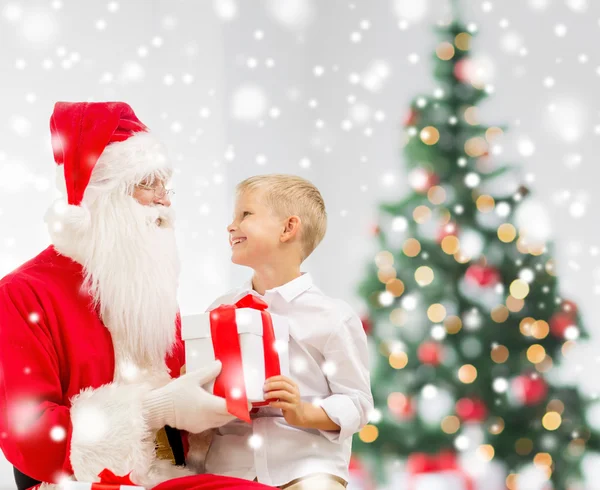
245,213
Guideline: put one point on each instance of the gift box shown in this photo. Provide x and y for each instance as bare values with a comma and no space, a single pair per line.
250,342
81,485
435,471
108,481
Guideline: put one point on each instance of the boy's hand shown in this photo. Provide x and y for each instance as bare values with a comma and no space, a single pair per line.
287,396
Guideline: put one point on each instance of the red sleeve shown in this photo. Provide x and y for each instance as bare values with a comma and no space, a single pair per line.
35,426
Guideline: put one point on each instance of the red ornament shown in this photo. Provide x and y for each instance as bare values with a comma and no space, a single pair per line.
359,475
401,406
375,230
421,180
569,307
411,118
559,322
530,390
463,70
430,353
471,410
449,229
482,275
367,325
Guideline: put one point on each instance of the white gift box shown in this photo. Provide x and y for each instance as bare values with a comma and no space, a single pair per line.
196,334
81,485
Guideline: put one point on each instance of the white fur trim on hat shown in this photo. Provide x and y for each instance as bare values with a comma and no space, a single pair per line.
130,161
122,163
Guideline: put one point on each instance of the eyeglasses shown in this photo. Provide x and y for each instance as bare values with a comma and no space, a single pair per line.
159,191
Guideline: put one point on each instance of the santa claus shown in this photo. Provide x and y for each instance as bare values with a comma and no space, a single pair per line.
91,358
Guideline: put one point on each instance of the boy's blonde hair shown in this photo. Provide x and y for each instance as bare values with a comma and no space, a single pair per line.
290,195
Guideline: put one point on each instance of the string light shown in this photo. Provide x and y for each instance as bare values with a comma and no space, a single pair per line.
424,275
555,406
395,287
540,329
493,133
368,434
467,374
515,305
476,146
452,324
567,347
551,267
436,195
496,426
522,245
542,459
499,354
536,353
384,259
485,452
526,325
511,481
470,115
485,203
462,41
500,314
545,365
445,51
421,214
551,420
398,360
450,244
430,135
436,313
519,289
386,274
450,424
412,247
507,233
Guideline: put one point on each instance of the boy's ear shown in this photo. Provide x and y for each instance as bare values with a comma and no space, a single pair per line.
291,228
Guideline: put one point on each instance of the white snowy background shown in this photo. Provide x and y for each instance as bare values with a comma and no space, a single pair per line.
320,89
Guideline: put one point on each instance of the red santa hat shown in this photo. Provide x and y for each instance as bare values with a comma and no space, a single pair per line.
105,137
84,133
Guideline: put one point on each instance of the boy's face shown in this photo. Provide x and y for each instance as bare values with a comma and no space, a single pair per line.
254,233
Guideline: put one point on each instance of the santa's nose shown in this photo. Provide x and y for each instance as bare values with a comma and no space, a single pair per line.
164,200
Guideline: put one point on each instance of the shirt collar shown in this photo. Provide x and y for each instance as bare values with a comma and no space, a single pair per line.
288,291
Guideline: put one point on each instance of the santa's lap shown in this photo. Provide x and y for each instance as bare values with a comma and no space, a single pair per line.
210,482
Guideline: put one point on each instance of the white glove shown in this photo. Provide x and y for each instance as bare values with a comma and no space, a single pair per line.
185,405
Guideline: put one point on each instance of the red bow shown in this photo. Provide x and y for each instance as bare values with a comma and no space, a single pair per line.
226,343
419,463
108,480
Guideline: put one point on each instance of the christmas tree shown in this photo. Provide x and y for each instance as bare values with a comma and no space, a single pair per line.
465,310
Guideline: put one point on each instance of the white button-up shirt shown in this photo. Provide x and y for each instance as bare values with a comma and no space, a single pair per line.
329,363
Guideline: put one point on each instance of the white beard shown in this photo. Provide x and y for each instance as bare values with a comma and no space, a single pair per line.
131,270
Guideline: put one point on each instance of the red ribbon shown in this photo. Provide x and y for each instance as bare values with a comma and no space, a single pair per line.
226,343
419,463
108,480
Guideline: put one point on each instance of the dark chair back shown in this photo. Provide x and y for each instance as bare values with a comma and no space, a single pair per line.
23,481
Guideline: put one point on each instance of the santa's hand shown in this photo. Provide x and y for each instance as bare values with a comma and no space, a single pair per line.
185,405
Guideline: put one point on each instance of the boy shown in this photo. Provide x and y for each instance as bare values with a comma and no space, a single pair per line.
302,440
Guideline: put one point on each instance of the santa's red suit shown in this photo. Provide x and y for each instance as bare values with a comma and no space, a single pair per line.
76,373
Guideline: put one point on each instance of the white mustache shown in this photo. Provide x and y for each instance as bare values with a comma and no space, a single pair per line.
163,215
